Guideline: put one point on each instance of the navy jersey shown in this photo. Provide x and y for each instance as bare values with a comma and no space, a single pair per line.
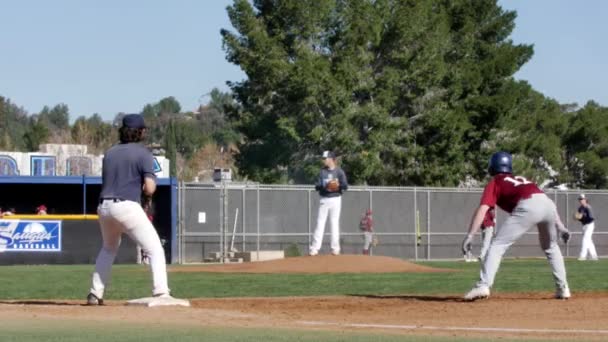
124,168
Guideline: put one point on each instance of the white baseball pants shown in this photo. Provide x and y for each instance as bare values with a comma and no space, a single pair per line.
539,210
328,206
116,218
486,239
588,247
369,237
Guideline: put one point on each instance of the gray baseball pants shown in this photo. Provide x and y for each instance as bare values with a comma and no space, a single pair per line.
540,211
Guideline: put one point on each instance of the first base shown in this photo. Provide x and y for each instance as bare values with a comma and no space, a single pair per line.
158,301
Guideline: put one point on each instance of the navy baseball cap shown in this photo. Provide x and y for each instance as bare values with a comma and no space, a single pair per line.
328,154
133,121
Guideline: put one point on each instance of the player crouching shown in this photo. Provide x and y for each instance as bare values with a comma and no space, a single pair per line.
527,206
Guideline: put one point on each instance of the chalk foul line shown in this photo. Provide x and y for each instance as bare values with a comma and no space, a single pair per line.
473,329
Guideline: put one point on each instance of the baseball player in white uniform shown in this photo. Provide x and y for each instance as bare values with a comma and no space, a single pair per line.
584,214
128,169
330,185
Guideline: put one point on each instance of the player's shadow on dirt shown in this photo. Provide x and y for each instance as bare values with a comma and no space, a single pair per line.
39,302
415,298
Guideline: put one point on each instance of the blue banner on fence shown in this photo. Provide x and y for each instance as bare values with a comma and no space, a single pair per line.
30,236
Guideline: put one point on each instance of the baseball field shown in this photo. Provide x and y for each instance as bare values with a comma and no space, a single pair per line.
323,298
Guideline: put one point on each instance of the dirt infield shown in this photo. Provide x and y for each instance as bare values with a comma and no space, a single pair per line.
525,316
318,264
521,316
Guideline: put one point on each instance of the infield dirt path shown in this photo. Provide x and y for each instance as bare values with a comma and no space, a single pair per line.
525,316
500,316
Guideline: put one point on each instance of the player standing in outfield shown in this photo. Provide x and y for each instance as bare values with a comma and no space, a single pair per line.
584,214
366,225
527,206
331,184
128,168
487,232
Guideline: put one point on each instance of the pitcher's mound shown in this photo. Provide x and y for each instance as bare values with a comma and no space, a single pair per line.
318,264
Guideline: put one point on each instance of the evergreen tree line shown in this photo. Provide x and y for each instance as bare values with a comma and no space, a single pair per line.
405,92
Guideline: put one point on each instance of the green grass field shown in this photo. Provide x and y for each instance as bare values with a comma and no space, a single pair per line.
132,281
112,332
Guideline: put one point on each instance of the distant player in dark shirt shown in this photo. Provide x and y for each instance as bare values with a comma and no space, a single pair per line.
585,216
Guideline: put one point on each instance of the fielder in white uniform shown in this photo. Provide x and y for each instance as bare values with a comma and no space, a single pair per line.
585,216
330,185
128,169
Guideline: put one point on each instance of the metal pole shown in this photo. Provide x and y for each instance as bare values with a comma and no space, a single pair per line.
371,207
243,217
225,223
415,225
221,220
258,223
428,225
84,195
179,223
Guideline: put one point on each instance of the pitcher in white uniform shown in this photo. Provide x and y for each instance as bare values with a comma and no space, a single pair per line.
330,185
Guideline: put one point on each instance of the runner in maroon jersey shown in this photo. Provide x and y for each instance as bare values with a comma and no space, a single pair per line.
527,206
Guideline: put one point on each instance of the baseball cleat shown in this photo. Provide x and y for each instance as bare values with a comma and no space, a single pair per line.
335,253
478,292
94,300
562,293
313,253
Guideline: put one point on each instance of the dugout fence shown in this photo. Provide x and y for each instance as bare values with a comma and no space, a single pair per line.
410,223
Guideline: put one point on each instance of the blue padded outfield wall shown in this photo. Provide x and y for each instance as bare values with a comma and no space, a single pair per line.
80,240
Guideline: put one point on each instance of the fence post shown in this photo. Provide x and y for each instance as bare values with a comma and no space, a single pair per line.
243,215
179,223
416,232
221,222
258,223
84,194
428,225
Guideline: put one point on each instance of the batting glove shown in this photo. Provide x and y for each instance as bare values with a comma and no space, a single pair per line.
467,243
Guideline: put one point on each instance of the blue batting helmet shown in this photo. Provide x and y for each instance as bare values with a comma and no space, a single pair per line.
500,162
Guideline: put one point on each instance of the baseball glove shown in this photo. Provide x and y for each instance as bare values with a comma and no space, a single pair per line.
375,241
333,185
578,216
566,237
146,202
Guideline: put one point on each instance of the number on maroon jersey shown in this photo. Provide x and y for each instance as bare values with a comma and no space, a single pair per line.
517,180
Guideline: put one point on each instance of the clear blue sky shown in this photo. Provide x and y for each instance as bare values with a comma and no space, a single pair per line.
115,56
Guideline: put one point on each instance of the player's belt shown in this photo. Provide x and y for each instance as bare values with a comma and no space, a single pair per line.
113,199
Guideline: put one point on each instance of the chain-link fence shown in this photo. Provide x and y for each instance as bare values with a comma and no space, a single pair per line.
410,223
